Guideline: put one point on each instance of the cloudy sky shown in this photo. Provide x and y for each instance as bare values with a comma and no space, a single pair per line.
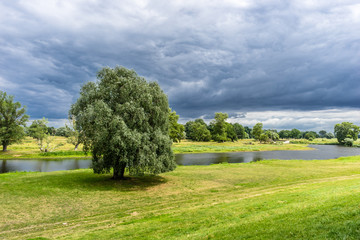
285,63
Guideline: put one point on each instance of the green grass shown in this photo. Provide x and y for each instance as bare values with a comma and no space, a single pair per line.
28,149
247,145
263,200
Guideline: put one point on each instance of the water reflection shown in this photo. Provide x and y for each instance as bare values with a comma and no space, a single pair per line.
321,152
43,165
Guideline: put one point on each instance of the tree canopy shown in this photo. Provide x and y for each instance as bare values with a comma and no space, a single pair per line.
12,120
125,123
176,130
219,127
257,131
197,131
346,130
240,131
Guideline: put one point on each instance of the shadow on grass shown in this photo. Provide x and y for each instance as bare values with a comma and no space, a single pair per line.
88,181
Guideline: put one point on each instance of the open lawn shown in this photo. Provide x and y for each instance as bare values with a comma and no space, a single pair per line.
260,200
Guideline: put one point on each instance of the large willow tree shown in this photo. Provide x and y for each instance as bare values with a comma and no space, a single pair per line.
125,123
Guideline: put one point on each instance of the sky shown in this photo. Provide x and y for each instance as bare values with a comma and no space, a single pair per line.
287,64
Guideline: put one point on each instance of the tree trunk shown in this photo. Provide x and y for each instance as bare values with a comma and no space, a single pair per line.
5,147
119,172
76,146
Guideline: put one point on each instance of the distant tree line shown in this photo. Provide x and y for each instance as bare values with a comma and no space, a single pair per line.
218,130
13,128
221,131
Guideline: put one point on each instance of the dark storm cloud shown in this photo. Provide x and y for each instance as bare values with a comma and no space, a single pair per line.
208,56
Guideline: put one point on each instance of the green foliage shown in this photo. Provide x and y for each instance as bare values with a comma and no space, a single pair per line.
257,131
349,142
125,121
39,130
219,127
62,132
263,138
248,131
295,133
310,136
199,132
272,135
176,130
75,136
51,131
230,132
284,134
329,135
12,120
240,131
346,130
322,133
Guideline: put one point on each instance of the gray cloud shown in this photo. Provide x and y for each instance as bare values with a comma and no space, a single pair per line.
208,56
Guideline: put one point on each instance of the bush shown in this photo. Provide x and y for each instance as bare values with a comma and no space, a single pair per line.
349,142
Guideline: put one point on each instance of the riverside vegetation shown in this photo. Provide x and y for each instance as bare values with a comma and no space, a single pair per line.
260,200
28,148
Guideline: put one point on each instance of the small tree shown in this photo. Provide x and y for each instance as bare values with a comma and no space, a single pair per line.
230,132
248,131
263,138
219,127
310,136
12,120
284,134
176,130
329,135
272,135
346,130
200,132
322,133
197,131
125,121
62,132
39,130
75,136
240,131
257,131
295,133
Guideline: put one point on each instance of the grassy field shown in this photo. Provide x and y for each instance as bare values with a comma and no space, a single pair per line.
261,200
246,145
29,149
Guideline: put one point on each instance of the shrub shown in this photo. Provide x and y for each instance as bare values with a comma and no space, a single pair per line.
349,142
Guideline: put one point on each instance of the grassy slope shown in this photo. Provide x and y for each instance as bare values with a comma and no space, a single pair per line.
262,200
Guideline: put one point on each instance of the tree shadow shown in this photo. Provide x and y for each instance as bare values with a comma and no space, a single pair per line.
89,181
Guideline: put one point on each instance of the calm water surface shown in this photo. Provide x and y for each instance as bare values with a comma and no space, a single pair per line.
321,152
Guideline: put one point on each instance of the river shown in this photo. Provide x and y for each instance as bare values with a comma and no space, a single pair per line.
321,152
